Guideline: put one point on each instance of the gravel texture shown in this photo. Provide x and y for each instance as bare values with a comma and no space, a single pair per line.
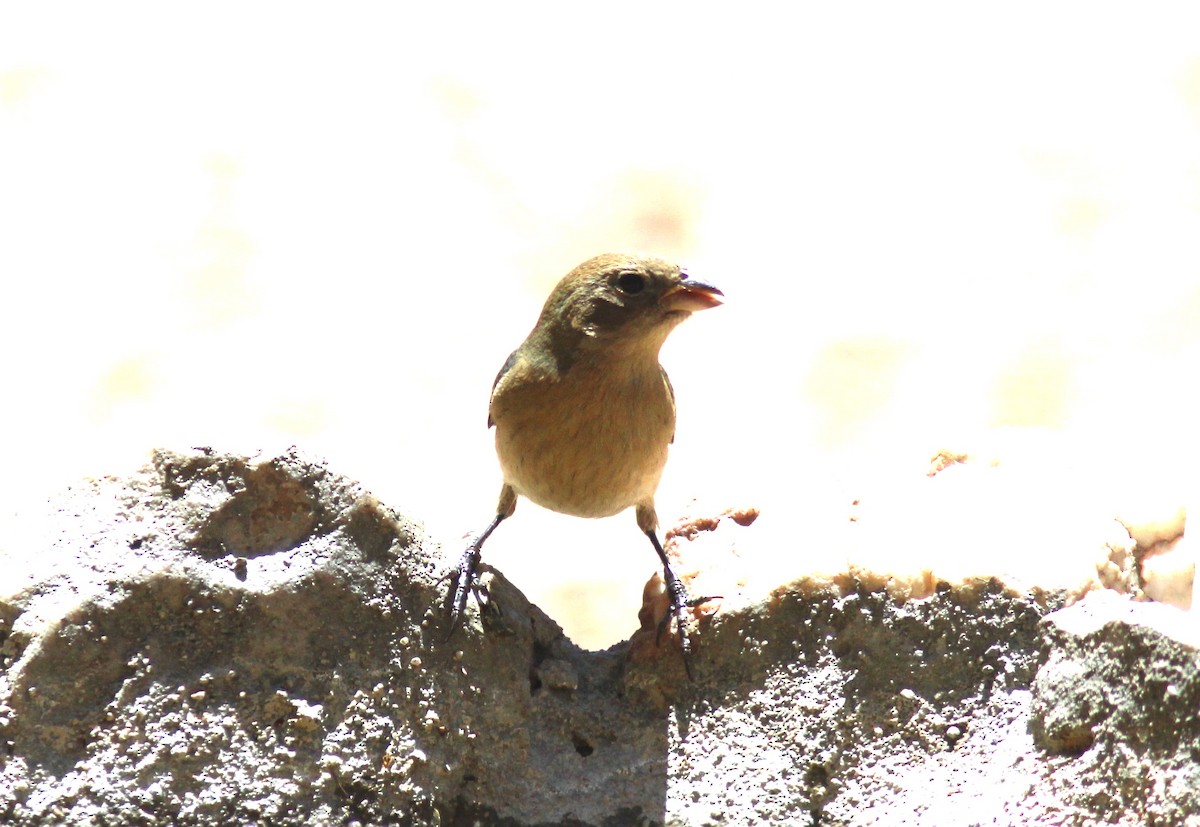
255,640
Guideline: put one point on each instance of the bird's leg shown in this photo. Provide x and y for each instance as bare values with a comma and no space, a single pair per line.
466,576
680,603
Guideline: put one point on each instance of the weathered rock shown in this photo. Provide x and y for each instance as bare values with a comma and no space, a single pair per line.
256,640
249,640
1118,694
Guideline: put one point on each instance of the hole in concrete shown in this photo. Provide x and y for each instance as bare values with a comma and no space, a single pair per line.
582,745
817,774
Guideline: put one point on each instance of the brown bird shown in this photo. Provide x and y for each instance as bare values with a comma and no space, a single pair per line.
583,410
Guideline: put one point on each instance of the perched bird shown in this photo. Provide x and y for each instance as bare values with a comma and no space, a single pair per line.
583,410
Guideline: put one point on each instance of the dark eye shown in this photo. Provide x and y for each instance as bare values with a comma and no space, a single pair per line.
631,283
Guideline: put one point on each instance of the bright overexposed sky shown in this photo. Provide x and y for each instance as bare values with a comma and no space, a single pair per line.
251,226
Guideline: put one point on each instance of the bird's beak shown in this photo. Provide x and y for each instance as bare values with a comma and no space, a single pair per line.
691,295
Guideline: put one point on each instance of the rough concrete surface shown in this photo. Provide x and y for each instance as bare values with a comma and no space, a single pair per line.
233,640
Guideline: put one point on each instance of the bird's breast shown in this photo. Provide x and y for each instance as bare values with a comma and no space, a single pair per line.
590,442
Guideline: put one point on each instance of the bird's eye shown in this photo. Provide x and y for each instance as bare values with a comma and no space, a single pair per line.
631,283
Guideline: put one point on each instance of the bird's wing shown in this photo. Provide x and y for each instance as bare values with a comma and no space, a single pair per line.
508,363
670,393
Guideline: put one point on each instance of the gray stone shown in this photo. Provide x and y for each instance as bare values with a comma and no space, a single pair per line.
223,639
1118,696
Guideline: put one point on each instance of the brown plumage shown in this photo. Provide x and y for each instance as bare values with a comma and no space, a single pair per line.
583,410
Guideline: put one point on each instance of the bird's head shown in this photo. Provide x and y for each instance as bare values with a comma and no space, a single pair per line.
624,301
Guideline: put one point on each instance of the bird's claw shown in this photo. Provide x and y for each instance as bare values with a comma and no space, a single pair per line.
680,603
466,581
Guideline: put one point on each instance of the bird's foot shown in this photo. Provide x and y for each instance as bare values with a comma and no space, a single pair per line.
466,575
465,581
680,603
